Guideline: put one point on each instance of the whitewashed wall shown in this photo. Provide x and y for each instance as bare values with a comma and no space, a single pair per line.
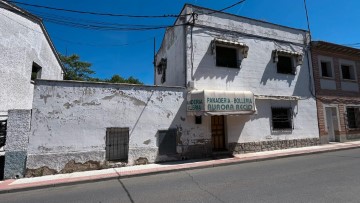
69,121
173,50
22,42
258,73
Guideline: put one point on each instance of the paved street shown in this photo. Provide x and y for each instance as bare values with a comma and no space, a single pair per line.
327,177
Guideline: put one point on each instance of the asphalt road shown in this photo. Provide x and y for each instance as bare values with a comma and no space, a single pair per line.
327,177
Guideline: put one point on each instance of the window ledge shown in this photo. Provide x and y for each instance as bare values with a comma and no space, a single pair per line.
287,130
354,129
327,78
290,74
228,67
348,80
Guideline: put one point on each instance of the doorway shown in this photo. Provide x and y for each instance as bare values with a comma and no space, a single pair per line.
2,166
218,133
331,122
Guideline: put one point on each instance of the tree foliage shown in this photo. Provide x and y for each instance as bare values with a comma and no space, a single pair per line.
79,70
76,69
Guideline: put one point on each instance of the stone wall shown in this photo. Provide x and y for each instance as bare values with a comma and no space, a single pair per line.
18,130
249,147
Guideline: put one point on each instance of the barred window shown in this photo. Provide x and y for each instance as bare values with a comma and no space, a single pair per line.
353,117
2,133
281,118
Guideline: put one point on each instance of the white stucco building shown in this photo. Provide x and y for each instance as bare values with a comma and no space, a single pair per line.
248,81
26,54
223,84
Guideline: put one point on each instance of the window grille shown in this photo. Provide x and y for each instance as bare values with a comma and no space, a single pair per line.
282,119
117,144
353,117
2,133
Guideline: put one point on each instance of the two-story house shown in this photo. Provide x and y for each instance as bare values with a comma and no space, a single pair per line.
26,54
336,75
248,81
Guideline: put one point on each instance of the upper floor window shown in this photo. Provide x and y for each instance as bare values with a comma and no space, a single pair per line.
229,53
353,117
326,69
286,61
161,69
348,72
35,72
226,57
285,65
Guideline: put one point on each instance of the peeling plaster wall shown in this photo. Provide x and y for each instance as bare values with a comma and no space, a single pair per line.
69,121
22,43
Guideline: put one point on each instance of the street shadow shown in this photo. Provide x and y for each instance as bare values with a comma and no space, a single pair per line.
124,187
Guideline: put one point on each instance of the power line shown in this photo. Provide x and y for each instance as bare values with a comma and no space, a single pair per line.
226,8
104,26
105,45
44,15
122,15
307,18
98,13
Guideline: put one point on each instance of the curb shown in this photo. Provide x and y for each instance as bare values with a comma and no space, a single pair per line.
211,165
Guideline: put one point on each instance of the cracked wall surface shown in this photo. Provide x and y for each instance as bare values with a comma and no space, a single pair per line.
69,121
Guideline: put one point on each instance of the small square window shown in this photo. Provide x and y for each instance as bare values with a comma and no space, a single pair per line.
348,72
35,72
198,119
326,70
353,117
285,65
281,118
226,57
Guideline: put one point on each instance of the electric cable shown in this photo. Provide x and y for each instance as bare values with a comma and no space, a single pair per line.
98,13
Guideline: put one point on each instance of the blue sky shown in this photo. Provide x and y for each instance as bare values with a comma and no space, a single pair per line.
330,20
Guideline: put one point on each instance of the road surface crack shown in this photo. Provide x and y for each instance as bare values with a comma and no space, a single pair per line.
203,189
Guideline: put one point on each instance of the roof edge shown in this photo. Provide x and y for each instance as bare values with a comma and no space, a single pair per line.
38,20
261,21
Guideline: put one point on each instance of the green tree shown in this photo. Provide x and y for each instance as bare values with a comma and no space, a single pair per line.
76,69
133,80
79,70
116,79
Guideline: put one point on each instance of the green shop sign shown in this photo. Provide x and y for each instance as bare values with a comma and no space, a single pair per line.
215,102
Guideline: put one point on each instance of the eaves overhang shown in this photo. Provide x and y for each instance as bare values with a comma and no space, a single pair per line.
15,9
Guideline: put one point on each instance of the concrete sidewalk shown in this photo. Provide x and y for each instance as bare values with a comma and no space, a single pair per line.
98,175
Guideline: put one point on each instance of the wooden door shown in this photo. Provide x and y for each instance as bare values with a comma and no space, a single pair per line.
332,122
218,132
